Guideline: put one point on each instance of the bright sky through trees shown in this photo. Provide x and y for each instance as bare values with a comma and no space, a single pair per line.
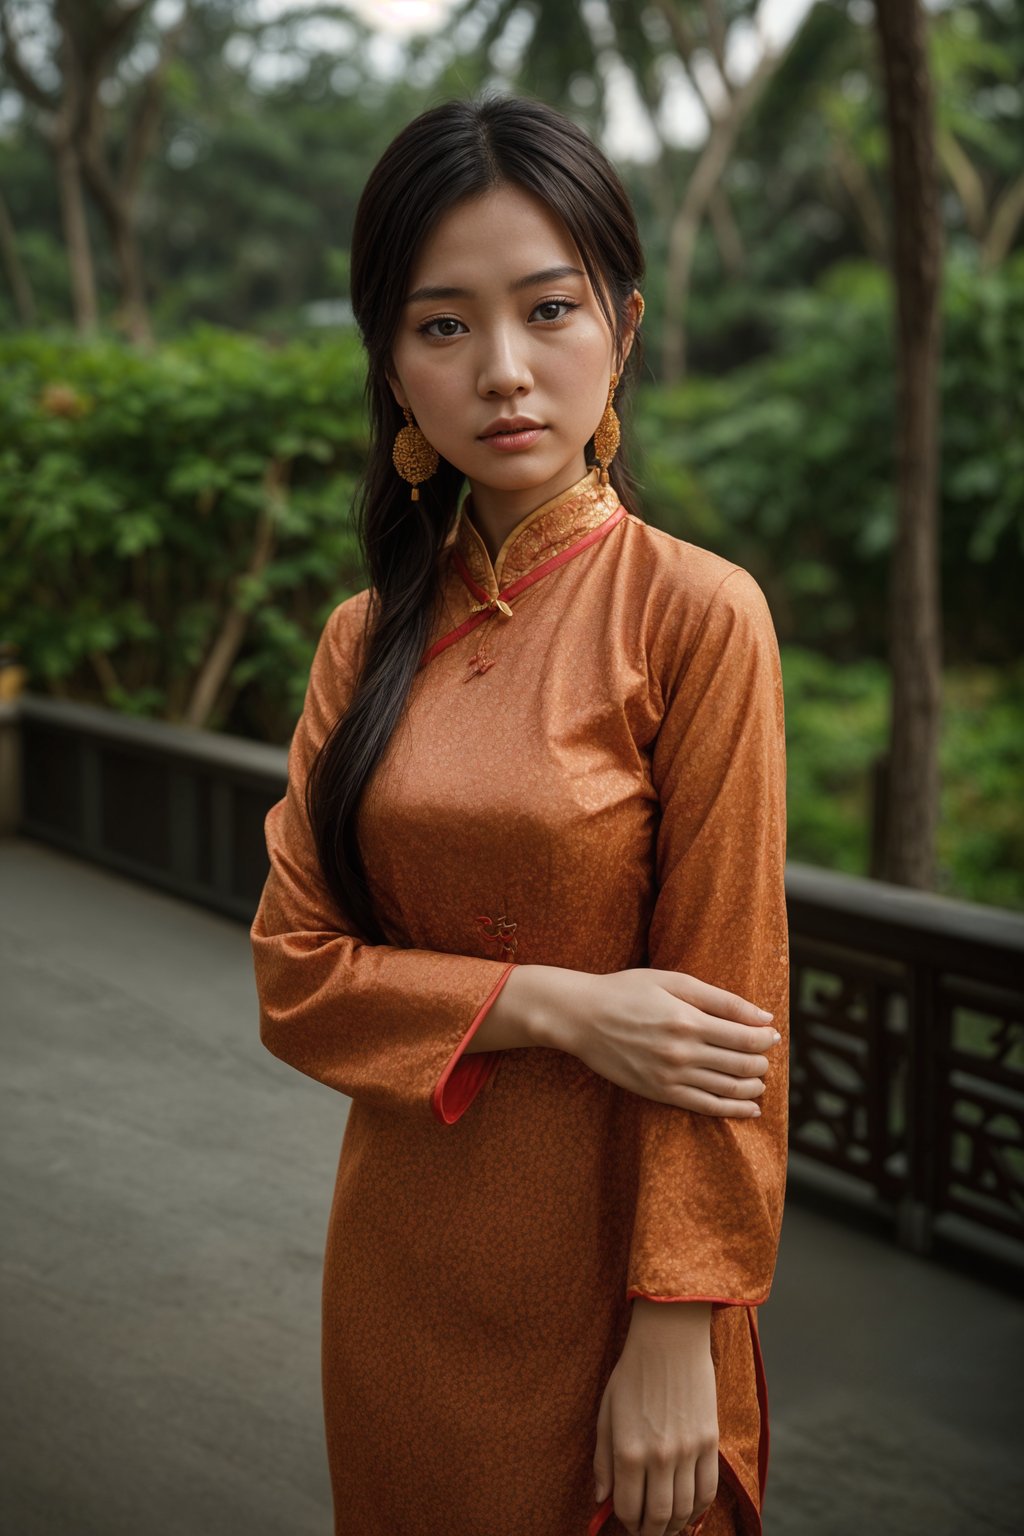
629,133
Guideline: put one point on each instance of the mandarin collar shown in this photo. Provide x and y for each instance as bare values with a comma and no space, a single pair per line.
546,531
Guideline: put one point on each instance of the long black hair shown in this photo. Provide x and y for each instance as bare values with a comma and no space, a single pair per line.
458,150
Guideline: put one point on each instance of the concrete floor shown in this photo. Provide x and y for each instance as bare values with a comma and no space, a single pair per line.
164,1203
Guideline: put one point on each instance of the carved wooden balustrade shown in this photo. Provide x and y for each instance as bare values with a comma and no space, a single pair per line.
907,1050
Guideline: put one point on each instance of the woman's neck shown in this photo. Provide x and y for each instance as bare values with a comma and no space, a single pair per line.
494,512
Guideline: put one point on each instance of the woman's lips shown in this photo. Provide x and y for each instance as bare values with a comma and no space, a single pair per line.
522,439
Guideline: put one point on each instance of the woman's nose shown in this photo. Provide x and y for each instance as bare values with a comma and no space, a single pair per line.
503,370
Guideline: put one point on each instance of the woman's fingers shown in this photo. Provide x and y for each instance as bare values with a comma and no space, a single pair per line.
629,1477
711,1104
740,1065
658,1499
724,1084
603,1454
713,1000
683,1489
742,1039
705,1484
724,1018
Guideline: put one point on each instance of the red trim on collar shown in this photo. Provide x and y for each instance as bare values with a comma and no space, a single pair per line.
517,586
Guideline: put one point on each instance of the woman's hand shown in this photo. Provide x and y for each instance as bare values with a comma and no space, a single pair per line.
671,1037
657,1427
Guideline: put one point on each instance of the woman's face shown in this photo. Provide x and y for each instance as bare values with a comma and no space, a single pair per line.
489,349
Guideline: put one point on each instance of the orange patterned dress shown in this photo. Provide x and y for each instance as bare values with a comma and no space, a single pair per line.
590,773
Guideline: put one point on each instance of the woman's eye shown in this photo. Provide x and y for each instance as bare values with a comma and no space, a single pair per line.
556,304
425,328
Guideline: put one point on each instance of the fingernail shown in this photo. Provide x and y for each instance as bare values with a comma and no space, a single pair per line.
778,1037
756,1110
763,1014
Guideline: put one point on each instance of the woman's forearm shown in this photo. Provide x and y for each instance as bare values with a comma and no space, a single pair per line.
680,1319
536,1006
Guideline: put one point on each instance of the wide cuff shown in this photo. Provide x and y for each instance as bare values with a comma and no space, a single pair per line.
465,1075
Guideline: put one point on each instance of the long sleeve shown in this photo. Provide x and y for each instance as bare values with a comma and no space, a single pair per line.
710,1194
376,1021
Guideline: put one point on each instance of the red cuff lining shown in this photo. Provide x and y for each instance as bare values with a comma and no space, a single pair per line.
464,1076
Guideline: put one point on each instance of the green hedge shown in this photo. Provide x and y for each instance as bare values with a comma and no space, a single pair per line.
136,490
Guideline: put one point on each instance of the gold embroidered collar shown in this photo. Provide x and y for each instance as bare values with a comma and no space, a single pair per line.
541,534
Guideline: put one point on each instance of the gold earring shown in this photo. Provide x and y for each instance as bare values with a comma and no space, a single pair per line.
413,457
606,437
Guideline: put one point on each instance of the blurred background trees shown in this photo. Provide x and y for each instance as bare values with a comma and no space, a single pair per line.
177,185
240,135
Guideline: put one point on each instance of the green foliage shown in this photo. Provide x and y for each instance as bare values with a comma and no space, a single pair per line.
136,494
981,834
983,446
976,56
786,465
270,127
836,727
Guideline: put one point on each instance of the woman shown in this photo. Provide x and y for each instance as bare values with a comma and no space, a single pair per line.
525,890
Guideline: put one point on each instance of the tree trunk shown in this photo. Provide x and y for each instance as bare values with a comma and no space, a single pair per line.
682,245
215,672
133,311
59,114
84,303
727,234
17,277
915,639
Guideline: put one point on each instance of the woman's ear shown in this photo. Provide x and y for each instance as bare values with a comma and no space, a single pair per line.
397,391
636,306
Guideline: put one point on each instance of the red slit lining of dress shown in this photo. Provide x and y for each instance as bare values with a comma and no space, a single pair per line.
762,1403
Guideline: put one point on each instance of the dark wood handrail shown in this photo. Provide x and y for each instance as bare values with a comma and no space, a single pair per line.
907,1008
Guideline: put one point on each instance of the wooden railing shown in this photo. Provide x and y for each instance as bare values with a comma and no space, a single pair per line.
907,1048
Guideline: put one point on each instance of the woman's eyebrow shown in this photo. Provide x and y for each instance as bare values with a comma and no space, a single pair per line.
548,275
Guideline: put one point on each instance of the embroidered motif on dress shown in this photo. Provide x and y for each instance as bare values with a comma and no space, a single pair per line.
504,934
479,662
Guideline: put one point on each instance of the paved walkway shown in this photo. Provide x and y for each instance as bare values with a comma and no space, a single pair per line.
163,1206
